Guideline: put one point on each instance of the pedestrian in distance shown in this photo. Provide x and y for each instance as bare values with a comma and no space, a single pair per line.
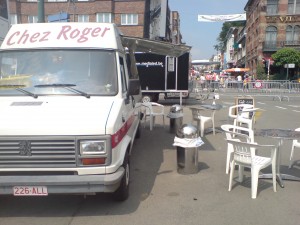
239,81
246,83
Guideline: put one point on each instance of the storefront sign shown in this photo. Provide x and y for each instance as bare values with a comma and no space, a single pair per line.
282,19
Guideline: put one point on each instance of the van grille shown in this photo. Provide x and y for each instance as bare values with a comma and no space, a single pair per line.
33,153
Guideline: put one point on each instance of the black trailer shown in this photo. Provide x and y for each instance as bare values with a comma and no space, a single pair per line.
163,74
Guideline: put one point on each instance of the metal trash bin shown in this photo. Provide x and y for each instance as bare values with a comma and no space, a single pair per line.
176,117
187,142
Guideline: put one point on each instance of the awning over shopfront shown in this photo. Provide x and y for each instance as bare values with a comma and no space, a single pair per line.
237,70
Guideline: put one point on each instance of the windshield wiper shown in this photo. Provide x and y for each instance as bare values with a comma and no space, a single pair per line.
19,88
66,86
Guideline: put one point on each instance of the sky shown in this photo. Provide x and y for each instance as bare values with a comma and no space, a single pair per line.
202,36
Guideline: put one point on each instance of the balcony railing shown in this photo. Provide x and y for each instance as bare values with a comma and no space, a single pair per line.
276,45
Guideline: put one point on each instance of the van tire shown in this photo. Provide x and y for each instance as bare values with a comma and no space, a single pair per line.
122,193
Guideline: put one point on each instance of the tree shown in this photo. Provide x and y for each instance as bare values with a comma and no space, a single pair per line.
286,56
225,28
260,72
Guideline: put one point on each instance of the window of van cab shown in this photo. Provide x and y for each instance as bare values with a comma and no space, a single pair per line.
50,72
123,75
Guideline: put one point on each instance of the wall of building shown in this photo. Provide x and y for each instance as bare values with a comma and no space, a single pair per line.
258,20
23,9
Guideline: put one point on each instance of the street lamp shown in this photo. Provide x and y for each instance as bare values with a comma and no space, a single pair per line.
41,11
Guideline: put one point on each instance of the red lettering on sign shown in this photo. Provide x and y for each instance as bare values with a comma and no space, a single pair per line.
105,29
9,41
74,33
25,36
34,37
82,35
63,32
66,33
96,32
44,38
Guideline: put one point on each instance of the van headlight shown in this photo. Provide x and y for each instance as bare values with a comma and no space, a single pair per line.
92,147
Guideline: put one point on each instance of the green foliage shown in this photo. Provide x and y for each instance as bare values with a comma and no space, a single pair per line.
286,56
225,28
260,72
279,76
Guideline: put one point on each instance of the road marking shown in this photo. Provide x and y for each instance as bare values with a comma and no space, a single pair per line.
296,111
280,107
227,103
294,106
262,103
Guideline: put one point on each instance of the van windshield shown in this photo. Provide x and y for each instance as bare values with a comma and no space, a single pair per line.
50,72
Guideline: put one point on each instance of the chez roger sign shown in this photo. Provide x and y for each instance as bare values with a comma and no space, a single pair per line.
61,35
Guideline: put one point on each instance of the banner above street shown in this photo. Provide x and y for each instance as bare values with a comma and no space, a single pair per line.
221,18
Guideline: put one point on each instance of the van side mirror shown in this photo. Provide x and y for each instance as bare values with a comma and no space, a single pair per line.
134,87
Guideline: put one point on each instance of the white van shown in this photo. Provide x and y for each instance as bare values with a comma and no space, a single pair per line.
67,111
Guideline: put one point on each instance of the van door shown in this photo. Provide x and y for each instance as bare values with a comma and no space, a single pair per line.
129,104
171,73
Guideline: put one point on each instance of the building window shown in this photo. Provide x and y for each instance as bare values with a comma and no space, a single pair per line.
292,35
31,0
83,18
294,7
13,19
271,36
32,19
272,7
103,17
129,19
296,34
289,34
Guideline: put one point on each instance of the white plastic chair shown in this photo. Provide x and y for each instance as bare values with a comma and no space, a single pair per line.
242,117
200,116
152,110
296,143
245,156
233,132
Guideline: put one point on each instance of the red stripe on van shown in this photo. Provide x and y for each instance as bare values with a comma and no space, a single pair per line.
117,137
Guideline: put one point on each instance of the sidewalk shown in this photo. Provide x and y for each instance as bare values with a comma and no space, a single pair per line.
203,198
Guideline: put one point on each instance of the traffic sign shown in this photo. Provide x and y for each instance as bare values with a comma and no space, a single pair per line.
292,65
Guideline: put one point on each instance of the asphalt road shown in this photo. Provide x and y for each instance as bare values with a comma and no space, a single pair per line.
162,196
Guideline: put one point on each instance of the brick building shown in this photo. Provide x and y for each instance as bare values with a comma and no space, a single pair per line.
271,25
138,18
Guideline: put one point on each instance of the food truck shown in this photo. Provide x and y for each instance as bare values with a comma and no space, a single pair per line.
69,114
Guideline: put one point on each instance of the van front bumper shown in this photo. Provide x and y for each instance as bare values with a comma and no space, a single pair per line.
65,184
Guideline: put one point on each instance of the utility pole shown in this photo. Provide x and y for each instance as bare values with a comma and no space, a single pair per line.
269,62
41,11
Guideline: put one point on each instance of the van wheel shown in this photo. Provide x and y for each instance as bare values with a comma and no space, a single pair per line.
122,193
147,98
